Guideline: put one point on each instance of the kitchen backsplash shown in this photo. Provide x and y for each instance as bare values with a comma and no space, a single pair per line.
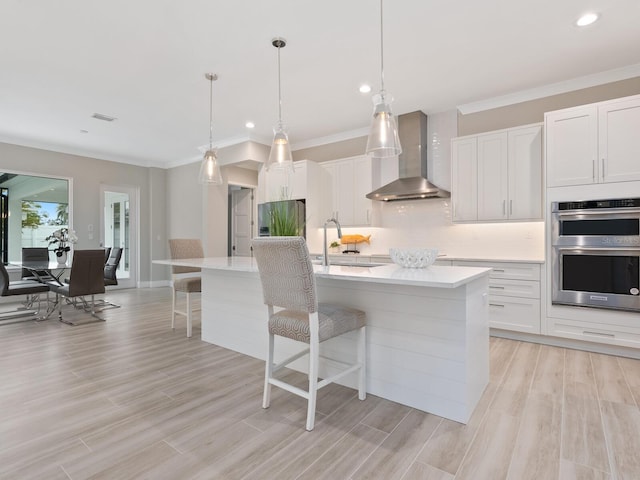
427,223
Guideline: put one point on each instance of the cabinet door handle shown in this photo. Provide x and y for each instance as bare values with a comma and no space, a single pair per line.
496,305
501,270
593,173
504,208
602,170
499,287
599,334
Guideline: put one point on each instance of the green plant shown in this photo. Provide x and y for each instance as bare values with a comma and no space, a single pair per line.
334,245
283,221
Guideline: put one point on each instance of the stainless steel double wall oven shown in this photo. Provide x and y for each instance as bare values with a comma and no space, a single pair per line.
596,253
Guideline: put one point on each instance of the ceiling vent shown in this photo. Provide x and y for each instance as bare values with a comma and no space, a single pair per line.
102,116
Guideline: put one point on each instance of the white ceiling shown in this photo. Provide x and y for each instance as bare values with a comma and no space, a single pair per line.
144,61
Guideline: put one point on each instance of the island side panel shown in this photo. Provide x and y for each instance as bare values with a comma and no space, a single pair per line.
477,341
420,352
234,315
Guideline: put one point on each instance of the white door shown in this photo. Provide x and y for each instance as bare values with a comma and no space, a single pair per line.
119,229
241,222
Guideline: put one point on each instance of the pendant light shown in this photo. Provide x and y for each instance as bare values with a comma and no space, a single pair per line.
383,138
209,168
280,155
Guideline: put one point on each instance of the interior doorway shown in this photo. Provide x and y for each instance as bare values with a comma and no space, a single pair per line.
241,221
119,228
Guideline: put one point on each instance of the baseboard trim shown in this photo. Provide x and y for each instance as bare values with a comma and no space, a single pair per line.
567,343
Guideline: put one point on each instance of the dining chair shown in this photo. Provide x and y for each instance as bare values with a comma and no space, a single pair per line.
184,248
35,254
111,266
107,253
31,288
86,278
288,282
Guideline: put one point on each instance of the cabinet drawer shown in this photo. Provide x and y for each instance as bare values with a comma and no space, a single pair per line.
514,288
514,313
593,332
513,271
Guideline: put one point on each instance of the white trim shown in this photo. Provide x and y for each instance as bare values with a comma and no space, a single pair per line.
587,81
77,151
567,343
338,137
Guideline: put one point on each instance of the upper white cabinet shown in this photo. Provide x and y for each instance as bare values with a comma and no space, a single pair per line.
345,184
279,184
597,143
464,178
619,140
498,175
302,183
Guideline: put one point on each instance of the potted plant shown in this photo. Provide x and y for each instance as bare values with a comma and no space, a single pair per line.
335,247
62,239
283,221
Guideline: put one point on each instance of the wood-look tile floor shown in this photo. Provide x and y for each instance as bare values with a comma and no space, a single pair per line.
130,398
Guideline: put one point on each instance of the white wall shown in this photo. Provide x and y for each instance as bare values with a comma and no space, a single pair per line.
87,174
427,223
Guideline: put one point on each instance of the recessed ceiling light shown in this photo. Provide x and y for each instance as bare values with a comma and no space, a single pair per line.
587,19
365,88
250,125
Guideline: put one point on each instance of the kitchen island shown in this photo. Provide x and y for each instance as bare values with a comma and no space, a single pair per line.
427,329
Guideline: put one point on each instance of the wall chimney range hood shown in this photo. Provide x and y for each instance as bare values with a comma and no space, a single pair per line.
412,183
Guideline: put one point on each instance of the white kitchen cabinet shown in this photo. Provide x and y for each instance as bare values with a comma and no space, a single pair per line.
282,184
497,176
345,184
619,141
514,295
492,176
596,143
525,173
464,178
302,183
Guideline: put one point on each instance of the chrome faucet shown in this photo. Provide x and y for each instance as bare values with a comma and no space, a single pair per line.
325,258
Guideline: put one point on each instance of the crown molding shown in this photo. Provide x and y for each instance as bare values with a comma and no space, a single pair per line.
552,89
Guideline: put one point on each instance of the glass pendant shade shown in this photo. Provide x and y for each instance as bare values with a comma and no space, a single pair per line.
383,138
280,155
210,169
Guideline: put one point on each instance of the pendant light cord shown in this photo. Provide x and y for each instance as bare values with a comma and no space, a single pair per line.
279,91
381,52
210,112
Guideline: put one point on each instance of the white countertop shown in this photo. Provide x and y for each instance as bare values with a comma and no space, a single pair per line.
470,258
433,276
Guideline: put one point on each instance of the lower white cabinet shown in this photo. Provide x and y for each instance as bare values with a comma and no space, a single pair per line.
514,294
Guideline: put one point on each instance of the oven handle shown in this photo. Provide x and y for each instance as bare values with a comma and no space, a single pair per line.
597,249
604,212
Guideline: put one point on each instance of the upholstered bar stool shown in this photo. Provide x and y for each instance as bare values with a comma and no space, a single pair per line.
185,248
288,282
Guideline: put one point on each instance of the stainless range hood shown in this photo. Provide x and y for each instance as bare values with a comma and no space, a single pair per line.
413,183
